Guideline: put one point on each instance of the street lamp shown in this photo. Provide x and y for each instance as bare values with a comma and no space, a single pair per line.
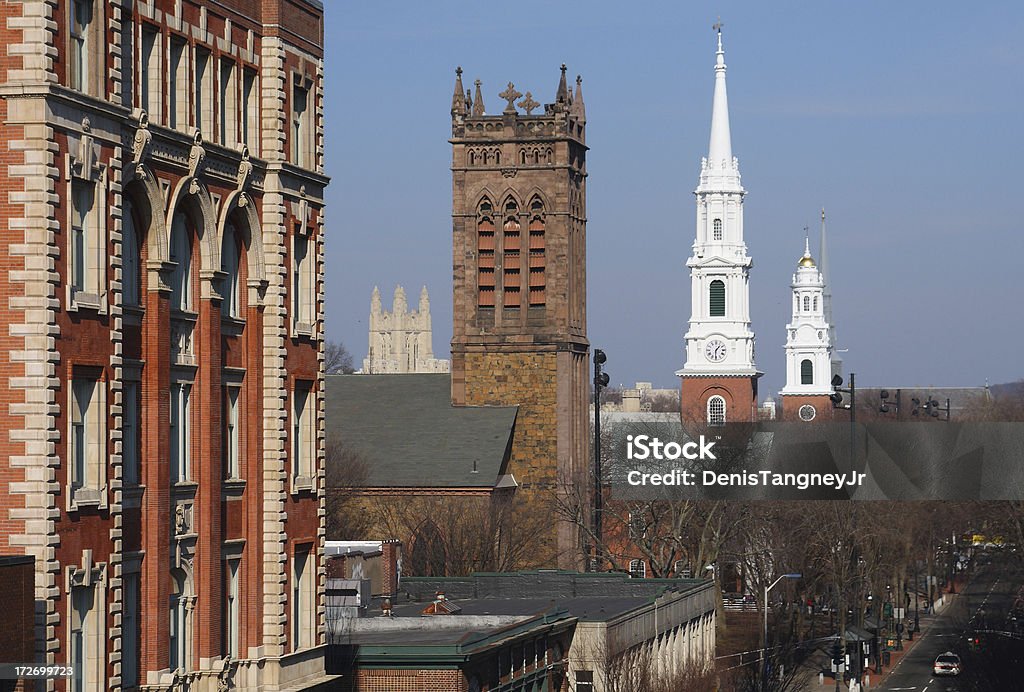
600,381
764,649
931,407
888,404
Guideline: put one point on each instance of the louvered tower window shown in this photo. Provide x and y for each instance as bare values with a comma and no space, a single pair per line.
806,372
485,256
510,262
538,260
716,298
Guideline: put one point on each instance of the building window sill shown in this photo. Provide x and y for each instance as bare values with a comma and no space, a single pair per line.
302,484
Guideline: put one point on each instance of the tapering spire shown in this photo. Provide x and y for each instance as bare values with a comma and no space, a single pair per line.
459,96
823,263
478,101
807,243
578,108
562,95
375,301
424,300
399,305
720,147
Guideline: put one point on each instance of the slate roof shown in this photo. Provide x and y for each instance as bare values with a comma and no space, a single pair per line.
409,435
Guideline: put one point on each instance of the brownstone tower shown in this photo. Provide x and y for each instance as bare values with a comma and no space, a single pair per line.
520,322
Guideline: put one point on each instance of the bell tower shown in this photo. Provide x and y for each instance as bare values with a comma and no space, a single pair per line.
719,378
519,272
808,347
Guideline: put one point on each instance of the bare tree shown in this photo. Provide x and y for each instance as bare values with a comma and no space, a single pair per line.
337,359
346,473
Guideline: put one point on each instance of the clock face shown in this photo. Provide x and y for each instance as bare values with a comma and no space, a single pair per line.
714,351
807,412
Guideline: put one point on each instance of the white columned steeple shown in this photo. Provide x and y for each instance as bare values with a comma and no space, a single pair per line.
719,340
808,335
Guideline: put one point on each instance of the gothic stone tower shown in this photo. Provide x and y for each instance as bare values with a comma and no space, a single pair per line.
719,380
519,242
808,347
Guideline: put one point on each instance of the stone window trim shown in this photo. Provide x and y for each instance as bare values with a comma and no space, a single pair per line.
233,434
303,296
130,413
86,45
83,168
90,576
303,468
303,610
94,431
150,70
302,125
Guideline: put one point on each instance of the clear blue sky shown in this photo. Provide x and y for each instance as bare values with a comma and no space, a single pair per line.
902,119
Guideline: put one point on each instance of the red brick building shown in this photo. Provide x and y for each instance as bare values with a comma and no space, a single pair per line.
160,331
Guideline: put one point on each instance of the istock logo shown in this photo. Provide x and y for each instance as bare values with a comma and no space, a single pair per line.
641,447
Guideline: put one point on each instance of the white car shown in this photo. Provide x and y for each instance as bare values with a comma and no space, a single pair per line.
947,664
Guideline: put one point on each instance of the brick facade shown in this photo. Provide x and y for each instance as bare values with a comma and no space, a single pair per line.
740,394
791,405
115,129
519,260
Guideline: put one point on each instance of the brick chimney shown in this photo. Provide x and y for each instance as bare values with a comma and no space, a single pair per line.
392,565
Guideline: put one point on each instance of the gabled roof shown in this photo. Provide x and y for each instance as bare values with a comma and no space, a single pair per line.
404,428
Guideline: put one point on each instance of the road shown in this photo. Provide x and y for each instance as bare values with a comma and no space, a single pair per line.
983,605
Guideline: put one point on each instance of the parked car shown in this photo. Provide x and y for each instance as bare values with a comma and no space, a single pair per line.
947,664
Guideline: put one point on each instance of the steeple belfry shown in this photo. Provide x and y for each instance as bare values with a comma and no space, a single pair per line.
719,379
808,346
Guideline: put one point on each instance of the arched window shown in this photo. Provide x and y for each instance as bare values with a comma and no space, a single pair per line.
807,304
130,260
806,372
716,298
717,229
485,255
181,255
538,259
510,261
229,257
716,411
637,569
815,303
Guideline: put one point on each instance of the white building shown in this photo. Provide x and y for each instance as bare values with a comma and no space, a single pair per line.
400,340
719,378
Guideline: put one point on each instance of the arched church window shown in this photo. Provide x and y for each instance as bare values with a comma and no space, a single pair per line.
717,229
538,259
815,303
807,303
485,256
806,372
511,263
716,298
716,410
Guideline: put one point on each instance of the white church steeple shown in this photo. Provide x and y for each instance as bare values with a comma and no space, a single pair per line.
808,337
719,341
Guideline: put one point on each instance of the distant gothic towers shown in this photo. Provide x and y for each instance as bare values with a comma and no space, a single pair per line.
401,341
519,260
719,379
